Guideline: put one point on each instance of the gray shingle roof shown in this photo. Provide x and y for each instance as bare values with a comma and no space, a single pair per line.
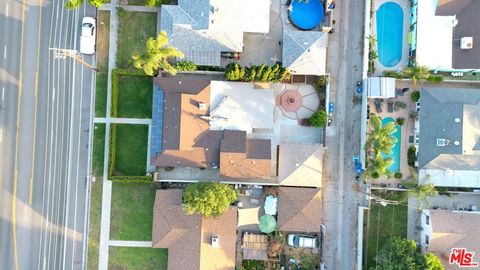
439,109
295,43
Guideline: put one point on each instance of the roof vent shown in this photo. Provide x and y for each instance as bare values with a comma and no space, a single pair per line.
457,120
202,106
457,143
215,241
442,142
466,43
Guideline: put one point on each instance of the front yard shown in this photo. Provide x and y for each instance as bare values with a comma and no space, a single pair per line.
102,63
134,30
135,96
131,150
133,258
385,222
98,149
94,224
132,211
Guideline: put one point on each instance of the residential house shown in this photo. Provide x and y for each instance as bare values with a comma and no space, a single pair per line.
448,229
299,209
447,33
193,241
449,145
203,29
304,52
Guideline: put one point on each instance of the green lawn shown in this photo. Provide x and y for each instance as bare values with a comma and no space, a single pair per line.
94,224
132,211
131,152
134,30
101,94
385,222
98,149
133,258
135,96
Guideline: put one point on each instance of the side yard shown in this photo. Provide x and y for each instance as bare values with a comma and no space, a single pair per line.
134,30
383,222
102,63
135,258
132,211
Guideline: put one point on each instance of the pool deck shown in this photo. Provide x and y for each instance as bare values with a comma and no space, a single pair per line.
405,5
407,130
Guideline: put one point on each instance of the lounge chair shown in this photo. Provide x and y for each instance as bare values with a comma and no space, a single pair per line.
390,106
378,106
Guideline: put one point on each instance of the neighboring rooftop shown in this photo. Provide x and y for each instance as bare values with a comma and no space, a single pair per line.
447,34
449,147
300,165
452,229
304,52
299,209
188,238
202,29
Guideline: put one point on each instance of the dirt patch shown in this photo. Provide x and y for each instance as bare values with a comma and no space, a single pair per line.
103,36
304,258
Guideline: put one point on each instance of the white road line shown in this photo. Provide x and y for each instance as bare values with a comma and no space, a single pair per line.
53,94
6,10
1,134
3,93
5,52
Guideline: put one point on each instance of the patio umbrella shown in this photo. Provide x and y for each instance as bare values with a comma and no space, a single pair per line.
267,224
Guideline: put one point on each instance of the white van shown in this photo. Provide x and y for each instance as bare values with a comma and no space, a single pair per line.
87,39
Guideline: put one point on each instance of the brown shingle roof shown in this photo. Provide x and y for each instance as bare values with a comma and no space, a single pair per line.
453,229
188,237
299,209
466,12
244,158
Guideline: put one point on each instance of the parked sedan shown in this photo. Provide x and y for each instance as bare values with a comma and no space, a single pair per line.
303,241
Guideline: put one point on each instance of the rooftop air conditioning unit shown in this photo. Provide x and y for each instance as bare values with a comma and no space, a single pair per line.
466,43
215,241
202,106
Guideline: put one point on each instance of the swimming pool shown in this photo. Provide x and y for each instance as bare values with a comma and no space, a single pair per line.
306,15
395,167
389,25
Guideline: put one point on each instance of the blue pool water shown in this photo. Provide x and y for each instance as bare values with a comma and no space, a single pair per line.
306,15
389,33
395,167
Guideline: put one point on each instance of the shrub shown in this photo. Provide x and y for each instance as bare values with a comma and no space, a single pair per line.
411,156
262,73
443,191
131,179
372,55
371,67
392,74
400,121
375,175
400,104
210,68
112,146
410,185
415,96
435,78
398,175
252,265
185,66
318,119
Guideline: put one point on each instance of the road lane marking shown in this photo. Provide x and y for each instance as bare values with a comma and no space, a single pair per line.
53,94
1,134
3,93
5,52
15,178
6,10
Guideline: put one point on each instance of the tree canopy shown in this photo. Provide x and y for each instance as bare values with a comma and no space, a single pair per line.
157,56
71,4
401,254
423,193
416,73
208,198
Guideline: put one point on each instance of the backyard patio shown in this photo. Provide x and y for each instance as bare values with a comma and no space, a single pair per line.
390,110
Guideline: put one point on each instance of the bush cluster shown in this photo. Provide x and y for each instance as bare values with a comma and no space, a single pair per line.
185,66
392,74
131,179
411,156
262,73
398,175
435,78
400,121
318,119
415,96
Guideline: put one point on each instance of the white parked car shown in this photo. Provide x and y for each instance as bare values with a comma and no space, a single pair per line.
87,39
303,241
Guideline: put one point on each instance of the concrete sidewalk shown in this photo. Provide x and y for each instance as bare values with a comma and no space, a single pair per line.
108,7
119,243
137,121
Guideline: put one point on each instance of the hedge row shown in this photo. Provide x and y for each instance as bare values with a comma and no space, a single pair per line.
112,149
262,73
131,179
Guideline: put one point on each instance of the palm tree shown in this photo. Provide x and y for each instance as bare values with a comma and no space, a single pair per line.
381,137
416,73
380,165
157,56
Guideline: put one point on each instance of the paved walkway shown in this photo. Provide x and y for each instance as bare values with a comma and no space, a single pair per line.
137,121
108,7
107,185
118,243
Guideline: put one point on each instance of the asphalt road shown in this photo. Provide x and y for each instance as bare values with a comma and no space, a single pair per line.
341,198
45,121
